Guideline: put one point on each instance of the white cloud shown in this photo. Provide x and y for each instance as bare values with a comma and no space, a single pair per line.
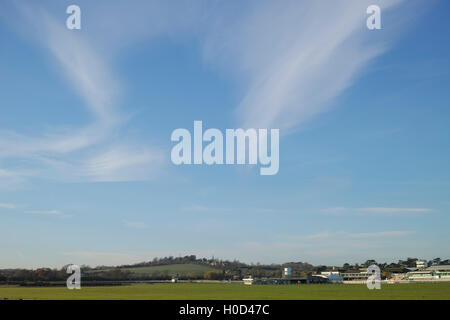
395,210
12,206
8,206
122,163
136,224
294,56
381,234
377,210
198,208
357,235
45,212
12,179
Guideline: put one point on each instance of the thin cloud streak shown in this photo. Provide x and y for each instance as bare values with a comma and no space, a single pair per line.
7,206
45,212
136,224
377,210
358,235
396,210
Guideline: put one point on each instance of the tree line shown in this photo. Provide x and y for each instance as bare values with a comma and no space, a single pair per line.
220,270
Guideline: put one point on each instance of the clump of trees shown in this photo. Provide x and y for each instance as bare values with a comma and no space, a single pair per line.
213,275
38,275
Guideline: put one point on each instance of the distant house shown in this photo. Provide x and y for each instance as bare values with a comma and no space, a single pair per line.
421,264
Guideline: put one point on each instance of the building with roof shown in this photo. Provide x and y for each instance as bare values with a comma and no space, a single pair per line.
421,264
439,272
287,278
358,276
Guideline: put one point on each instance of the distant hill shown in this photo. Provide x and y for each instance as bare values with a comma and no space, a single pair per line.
181,270
184,270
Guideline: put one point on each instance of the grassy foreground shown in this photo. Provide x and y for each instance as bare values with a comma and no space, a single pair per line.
232,291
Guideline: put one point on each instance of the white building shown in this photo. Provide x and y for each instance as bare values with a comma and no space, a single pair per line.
327,273
440,273
421,264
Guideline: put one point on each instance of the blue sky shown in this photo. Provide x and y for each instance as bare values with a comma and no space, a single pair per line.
86,119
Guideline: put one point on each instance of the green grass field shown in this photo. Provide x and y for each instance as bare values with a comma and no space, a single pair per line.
227,291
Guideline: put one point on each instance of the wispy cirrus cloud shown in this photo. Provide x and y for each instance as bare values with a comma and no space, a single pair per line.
135,224
85,70
396,210
377,210
122,163
90,152
7,205
198,208
13,206
12,179
45,212
295,57
359,235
